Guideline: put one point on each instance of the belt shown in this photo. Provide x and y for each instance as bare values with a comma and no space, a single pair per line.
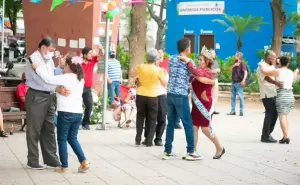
38,91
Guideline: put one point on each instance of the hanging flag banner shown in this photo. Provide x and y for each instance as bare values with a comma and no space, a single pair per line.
35,1
55,3
87,4
73,1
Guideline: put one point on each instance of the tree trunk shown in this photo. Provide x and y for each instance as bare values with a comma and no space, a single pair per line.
159,37
279,20
137,37
239,44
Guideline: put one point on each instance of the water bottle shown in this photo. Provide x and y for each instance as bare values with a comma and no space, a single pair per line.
11,130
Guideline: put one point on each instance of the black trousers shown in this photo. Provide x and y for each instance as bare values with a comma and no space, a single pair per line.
161,118
270,117
146,110
88,103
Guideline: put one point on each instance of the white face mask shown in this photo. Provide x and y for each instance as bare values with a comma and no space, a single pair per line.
49,55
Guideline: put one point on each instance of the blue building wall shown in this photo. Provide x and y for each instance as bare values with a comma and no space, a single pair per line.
176,24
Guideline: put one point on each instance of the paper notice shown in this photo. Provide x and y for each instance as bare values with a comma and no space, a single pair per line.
73,44
101,31
96,41
218,46
81,43
61,42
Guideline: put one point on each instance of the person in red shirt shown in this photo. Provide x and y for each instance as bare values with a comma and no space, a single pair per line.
89,61
21,91
163,60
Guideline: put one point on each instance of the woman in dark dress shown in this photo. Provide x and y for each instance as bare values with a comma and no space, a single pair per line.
202,109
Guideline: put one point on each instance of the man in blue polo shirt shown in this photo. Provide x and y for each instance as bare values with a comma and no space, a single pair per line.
114,77
178,101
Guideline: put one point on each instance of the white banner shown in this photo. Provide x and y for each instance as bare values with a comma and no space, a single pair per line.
201,8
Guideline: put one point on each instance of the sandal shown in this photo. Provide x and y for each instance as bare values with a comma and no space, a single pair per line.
3,134
84,166
128,123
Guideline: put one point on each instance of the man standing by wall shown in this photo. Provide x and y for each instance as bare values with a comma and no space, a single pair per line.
239,76
114,77
268,93
216,70
40,108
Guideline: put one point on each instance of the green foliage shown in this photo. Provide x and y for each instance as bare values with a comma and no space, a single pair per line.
123,57
294,18
194,57
240,24
97,110
12,8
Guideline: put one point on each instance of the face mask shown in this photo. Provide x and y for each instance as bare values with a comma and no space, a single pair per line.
49,55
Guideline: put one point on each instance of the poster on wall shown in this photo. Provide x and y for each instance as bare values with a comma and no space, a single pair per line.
201,8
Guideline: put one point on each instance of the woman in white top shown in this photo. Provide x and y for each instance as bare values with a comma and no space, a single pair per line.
69,110
285,98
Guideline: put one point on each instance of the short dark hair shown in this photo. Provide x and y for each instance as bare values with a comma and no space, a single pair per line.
86,50
284,60
112,55
47,41
183,44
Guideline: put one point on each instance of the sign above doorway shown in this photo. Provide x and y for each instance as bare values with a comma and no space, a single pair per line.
201,8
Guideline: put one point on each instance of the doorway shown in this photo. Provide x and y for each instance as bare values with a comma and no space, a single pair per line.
192,39
207,40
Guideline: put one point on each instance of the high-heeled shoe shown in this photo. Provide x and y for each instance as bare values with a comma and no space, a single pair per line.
285,141
219,156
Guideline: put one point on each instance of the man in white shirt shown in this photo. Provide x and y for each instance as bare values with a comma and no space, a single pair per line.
40,108
267,87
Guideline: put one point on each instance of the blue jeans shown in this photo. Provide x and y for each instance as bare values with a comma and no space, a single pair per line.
113,88
179,105
237,89
67,130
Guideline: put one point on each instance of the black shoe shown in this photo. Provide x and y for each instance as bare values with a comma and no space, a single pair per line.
158,143
269,140
137,143
178,127
3,134
35,167
147,144
219,156
85,126
216,112
231,114
285,141
241,114
52,166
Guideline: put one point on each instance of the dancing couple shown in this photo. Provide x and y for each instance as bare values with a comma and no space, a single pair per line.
180,69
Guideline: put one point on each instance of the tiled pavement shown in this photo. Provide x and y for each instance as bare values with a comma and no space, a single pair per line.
115,160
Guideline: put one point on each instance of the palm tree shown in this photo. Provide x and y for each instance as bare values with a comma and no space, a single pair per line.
240,25
294,18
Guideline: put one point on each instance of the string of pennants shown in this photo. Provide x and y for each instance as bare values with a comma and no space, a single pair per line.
56,3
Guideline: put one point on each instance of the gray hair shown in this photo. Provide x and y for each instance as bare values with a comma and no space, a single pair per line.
240,54
269,53
152,55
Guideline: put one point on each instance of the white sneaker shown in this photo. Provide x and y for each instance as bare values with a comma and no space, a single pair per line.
192,157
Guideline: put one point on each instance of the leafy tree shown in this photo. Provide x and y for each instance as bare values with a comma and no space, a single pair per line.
161,22
240,25
294,18
12,8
